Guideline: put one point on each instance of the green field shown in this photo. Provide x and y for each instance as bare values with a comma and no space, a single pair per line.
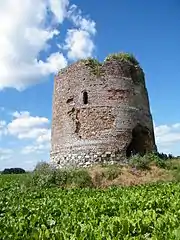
143,212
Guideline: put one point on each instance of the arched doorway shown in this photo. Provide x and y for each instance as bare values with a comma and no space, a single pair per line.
139,143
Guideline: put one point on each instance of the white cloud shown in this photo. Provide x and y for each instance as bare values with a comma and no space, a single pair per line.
27,29
34,128
24,35
44,137
53,63
58,8
25,126
79,44
167,136
75,15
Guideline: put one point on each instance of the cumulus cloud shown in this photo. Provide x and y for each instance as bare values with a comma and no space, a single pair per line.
167,136
24,34
27,29
25,126
44,137
58,8
84,23
33,128
79,42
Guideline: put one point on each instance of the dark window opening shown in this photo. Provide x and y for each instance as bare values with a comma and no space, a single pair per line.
69,100
139,142
85,97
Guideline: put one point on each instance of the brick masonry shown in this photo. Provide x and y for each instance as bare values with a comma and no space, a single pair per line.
101,130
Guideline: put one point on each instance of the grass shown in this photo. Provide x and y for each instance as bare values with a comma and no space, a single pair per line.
135,201
95,65
136,212
140,170
127,57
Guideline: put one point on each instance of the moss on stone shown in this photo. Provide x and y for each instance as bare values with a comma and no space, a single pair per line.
128,57
94,64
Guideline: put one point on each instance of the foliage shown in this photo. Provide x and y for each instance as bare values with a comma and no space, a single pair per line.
94,64
123,57
42,166
159,161
128,57
79,178
144,212
165,156
112,172
140,162
143,162
174,167
13,171
46,175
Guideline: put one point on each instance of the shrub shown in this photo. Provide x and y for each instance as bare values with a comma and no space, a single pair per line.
47,176
42,166
94,64
159,162
140,162
112,172
123,57
13,171
174,167
143,162
79,178
176,175
43,179
60,177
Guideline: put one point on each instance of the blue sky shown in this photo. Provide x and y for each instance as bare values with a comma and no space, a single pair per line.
36,42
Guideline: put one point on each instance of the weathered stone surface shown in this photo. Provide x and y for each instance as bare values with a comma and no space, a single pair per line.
94,114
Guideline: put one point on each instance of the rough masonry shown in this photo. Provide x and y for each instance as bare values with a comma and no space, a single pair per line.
101,112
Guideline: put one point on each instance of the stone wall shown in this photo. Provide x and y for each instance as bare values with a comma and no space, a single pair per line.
101,130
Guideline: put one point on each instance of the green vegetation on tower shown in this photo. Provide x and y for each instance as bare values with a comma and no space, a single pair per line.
128,57
95,65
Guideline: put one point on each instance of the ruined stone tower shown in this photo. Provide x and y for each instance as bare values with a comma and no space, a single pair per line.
100,112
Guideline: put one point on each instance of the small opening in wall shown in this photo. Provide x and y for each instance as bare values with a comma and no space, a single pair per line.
85,97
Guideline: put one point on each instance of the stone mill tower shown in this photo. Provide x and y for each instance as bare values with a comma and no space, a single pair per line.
101,112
